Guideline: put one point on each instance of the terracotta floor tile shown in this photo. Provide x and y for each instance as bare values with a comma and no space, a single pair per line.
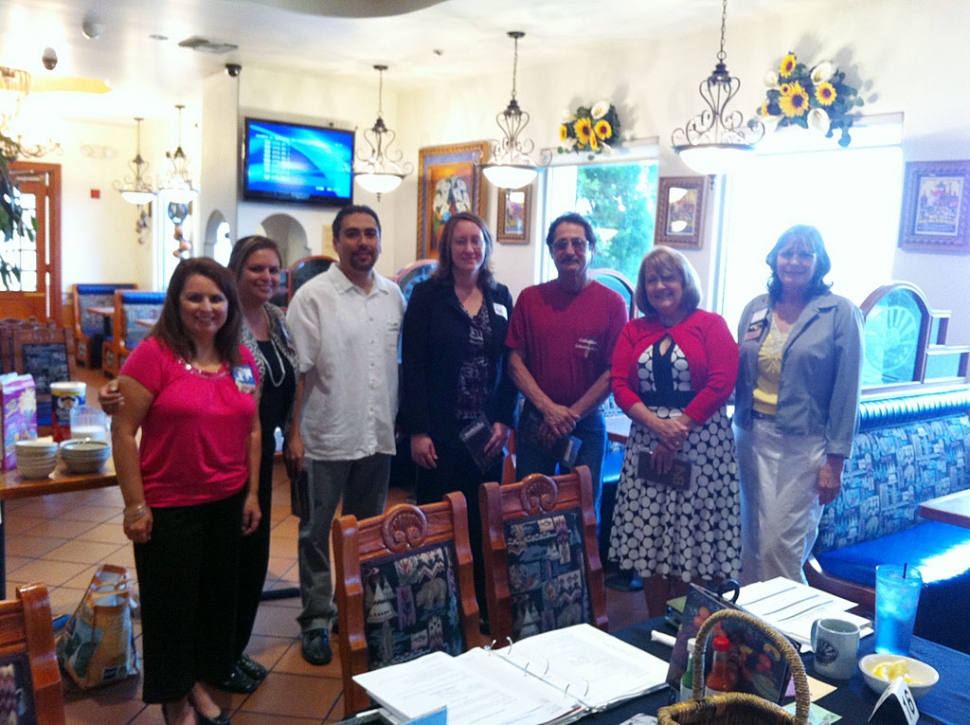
15,562
294,696
288,528
52,573
105,533
292,662
17,523
64,600
95,710
61,529
268,650
94,514
32,546
275,620
284,548
83,552
259,718
83,578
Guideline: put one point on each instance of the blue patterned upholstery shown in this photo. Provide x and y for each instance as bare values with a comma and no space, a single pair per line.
908,450
411,606
547,573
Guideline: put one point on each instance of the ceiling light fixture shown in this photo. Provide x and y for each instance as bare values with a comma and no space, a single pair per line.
137,190
177,185
511,166
716,141
380,171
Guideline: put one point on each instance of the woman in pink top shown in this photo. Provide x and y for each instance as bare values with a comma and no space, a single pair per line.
190,489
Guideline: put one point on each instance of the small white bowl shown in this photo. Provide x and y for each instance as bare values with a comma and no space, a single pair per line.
923,675
36,471
35,449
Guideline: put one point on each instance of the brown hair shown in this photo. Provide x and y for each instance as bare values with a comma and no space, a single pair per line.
169,328
247,247
445,266
664,259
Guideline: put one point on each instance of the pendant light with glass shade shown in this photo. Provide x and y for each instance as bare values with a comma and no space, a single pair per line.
137,189
511,167
380,171
177,185
716,141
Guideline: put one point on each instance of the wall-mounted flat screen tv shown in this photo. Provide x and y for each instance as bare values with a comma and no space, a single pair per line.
292,162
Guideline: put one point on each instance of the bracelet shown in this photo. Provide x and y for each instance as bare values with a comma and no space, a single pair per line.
136,513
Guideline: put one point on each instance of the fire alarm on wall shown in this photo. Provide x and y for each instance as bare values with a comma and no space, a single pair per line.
95,193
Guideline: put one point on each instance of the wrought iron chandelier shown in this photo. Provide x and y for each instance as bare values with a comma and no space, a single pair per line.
511,167
380,171
177,185
14,88
137,189
715,140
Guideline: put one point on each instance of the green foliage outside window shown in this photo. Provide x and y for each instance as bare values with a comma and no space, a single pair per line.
620,201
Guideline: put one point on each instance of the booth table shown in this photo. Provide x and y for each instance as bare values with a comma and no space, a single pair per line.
107,313
13,486
951,509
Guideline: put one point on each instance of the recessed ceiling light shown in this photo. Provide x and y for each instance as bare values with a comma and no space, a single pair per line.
158,36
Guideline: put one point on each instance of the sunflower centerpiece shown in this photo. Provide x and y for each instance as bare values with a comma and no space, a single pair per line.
816,98
589,129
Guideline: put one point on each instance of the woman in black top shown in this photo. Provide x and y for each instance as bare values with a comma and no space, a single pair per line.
454,364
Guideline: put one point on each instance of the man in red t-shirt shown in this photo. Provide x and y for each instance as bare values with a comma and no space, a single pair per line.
561,338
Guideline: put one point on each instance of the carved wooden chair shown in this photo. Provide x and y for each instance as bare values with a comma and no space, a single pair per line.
404,587
542,563
47,353
412,274
29,675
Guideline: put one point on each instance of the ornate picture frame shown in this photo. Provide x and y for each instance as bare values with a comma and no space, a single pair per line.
514,217
449,181
936,207
680,211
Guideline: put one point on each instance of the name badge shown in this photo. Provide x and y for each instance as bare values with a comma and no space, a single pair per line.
245,379
500,310
759,321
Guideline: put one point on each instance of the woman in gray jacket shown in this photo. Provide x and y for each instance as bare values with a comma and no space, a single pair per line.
797,398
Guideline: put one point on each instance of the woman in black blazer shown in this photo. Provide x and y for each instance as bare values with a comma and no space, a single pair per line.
455,374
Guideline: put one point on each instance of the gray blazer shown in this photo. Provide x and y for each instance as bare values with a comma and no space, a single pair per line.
821,370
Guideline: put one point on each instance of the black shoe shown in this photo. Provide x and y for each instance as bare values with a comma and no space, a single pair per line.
220,719
251,668
315,647
238,681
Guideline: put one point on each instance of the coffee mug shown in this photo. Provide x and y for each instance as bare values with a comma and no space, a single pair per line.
836,645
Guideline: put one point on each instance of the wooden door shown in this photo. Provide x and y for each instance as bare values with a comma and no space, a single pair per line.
38,291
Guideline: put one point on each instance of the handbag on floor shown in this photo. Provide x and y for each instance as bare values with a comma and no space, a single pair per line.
98,643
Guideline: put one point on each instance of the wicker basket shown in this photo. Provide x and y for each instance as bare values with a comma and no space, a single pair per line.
735,708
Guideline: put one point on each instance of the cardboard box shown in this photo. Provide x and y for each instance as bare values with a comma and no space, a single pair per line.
18,395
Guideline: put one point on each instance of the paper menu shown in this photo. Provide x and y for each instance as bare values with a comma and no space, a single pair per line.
792,607
467,685
554,677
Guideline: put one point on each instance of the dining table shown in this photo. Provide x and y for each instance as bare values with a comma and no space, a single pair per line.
953,509
948,703
13,486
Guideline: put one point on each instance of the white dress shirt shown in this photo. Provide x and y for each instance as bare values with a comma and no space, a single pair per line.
347,343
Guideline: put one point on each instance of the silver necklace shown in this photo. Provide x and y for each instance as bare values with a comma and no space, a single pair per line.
269,368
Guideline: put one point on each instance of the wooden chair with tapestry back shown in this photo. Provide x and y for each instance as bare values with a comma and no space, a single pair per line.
30,679
305,270
542,563
404,588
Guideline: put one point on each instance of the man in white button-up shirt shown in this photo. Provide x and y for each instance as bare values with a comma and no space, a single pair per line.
345,324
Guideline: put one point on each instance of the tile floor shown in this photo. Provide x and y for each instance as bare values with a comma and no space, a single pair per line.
61,539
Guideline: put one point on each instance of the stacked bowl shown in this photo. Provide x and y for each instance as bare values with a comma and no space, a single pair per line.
36,458
84,455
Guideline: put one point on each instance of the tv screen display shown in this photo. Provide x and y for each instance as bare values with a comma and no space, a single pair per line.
297,163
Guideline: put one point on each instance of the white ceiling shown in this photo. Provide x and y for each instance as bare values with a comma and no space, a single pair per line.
439,39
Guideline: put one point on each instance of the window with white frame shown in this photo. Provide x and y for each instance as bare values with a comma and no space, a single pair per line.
851,195
619,198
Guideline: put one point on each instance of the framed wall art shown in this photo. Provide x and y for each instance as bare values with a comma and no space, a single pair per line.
680,211
934,216
450,181
514,215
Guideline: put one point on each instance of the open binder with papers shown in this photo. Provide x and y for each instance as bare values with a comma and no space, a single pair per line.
554,677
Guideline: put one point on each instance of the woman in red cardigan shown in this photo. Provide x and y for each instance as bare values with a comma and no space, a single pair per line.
677,516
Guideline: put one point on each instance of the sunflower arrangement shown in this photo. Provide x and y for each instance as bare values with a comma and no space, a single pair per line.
816,98
589,129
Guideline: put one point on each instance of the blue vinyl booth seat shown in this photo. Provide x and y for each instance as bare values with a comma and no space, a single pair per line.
907,451
89,328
